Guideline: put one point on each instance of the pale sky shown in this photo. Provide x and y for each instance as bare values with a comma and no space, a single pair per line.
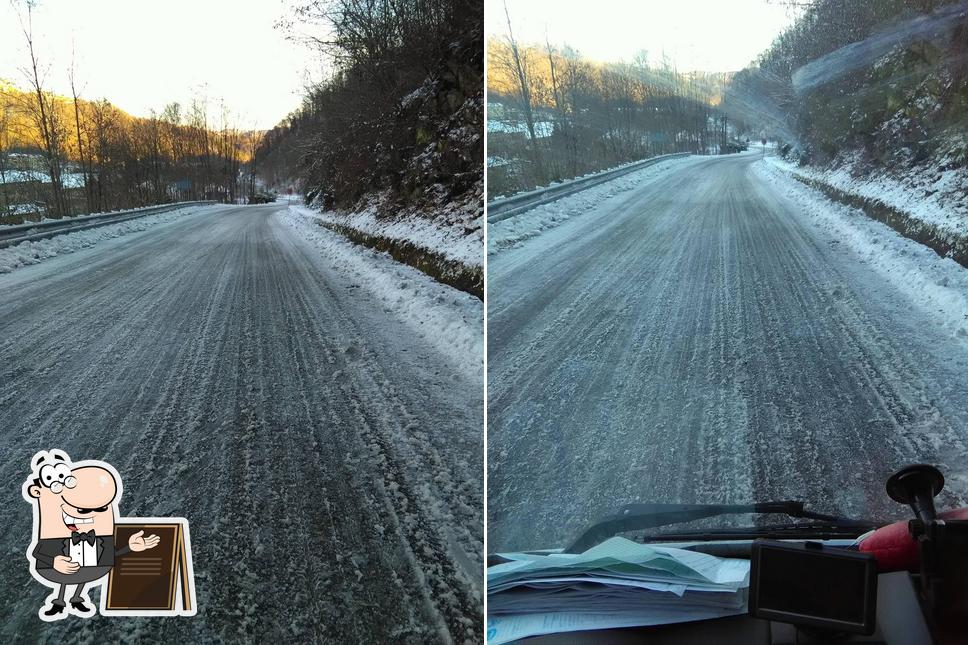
708,35
142,54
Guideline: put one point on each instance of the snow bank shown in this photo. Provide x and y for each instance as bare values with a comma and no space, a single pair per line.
938,286
18,209
935,192
448,319
513,231
551,184
27,253
455,231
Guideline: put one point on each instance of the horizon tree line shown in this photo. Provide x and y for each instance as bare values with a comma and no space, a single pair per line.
557,115
64,155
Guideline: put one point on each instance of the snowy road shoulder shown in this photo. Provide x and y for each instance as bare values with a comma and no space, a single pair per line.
514,231
28,253
937,285
932,193
455,231
448,319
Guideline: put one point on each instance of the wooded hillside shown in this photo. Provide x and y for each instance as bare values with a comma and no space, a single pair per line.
399,123
66,155
885,78
554,114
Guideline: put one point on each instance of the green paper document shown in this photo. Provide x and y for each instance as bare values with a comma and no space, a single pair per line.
618,583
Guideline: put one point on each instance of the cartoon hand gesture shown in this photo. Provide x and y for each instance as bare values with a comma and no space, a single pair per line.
63,564
138,542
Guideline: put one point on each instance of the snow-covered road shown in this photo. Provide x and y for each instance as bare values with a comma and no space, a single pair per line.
702,335
326,453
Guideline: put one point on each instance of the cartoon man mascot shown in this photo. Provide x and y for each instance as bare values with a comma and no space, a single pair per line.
75,507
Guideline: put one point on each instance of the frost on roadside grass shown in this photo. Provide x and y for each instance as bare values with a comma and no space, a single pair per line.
936,285
28,253
449,320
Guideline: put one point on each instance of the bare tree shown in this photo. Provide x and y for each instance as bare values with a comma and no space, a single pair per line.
519,63
4,149
84,160
604,113
45,115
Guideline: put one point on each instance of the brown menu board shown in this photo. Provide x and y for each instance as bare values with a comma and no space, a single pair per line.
155,580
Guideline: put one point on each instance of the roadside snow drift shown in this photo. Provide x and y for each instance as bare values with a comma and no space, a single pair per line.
935,192
450,319
455,231
27,253
937,285
515,230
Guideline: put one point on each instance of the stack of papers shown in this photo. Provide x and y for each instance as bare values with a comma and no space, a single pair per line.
618,583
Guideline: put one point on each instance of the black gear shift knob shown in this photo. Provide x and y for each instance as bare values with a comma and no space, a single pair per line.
917,485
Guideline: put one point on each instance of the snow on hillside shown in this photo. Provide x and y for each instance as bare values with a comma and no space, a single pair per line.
935,191
68,179
454,230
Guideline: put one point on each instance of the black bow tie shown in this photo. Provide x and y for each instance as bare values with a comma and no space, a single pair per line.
86,536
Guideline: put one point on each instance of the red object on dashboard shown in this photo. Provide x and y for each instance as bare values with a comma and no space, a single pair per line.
895,549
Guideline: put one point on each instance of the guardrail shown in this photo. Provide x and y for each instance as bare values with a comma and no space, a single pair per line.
502,209
11,235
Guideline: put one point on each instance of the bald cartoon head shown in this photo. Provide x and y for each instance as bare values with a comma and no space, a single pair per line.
70,497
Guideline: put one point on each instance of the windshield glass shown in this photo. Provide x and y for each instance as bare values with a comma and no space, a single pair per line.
756,289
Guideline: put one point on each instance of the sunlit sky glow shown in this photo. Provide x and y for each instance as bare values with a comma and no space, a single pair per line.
141,55
708,35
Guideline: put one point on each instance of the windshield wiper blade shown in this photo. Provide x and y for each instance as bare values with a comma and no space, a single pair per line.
637,517
805,530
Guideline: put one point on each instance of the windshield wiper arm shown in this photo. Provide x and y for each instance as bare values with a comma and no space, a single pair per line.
805,530
636,517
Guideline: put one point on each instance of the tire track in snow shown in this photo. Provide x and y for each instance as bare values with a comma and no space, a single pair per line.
222,367
697,340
